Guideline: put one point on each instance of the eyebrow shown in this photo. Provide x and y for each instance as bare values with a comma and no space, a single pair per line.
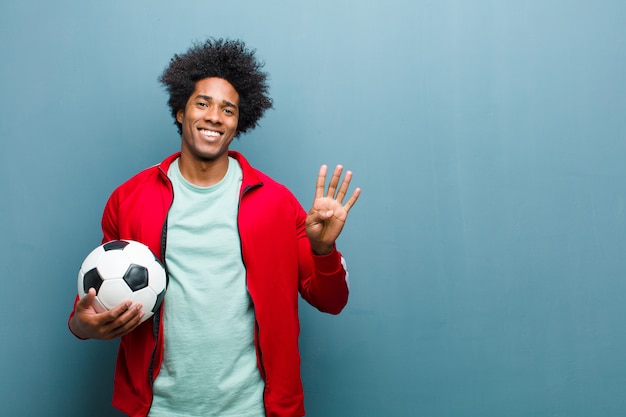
209,98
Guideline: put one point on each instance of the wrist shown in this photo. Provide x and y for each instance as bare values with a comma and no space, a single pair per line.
322,250
76,328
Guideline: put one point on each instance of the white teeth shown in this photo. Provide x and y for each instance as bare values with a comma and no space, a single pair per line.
209,133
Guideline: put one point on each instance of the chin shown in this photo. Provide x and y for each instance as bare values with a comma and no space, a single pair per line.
210,156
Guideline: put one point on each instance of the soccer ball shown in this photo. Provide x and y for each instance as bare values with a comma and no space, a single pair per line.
122,270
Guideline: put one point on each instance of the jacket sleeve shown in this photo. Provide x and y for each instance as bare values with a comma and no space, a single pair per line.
109,219
323,279
109,231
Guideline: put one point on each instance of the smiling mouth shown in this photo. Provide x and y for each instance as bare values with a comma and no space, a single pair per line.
210,133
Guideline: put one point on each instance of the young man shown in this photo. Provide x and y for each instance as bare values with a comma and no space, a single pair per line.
238,248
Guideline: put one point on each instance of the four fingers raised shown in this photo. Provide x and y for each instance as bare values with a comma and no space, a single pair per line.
335,190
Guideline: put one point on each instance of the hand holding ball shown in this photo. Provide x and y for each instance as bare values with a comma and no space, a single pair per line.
123,270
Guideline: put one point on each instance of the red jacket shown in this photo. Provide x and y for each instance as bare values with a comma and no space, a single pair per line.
279,265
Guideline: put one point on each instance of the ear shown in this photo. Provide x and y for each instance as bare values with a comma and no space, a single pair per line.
179,116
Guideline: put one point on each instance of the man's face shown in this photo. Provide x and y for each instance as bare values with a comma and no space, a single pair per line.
209,121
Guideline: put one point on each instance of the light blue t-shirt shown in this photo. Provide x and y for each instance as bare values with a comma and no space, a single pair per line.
209,366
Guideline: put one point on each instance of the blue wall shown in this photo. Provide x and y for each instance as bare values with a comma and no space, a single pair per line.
487,250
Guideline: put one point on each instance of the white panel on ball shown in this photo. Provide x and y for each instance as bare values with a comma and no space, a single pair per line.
113,264
114,291
139,254
158,279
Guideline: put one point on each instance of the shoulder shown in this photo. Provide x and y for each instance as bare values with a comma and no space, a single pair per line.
253,176
146,180
261,188
270,185
138,181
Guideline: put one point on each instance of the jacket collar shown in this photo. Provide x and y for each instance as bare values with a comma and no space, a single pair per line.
250,177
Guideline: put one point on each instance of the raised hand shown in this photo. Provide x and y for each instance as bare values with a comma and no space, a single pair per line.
328,215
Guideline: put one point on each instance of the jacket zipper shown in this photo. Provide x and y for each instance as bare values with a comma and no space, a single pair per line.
257,327
157,316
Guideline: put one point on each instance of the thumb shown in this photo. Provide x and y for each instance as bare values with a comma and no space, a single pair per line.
86,302
326,214
318,216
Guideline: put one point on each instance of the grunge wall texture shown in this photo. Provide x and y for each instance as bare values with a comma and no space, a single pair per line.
487,253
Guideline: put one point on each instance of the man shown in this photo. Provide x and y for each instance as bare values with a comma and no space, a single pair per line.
238,249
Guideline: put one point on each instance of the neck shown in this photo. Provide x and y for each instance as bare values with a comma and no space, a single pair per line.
203,173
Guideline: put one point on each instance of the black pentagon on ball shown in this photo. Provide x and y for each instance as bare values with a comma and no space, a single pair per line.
136,277
114,245
92,279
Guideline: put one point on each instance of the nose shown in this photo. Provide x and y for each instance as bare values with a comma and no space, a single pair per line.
213,115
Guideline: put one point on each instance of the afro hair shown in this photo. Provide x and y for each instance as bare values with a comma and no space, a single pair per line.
226,59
